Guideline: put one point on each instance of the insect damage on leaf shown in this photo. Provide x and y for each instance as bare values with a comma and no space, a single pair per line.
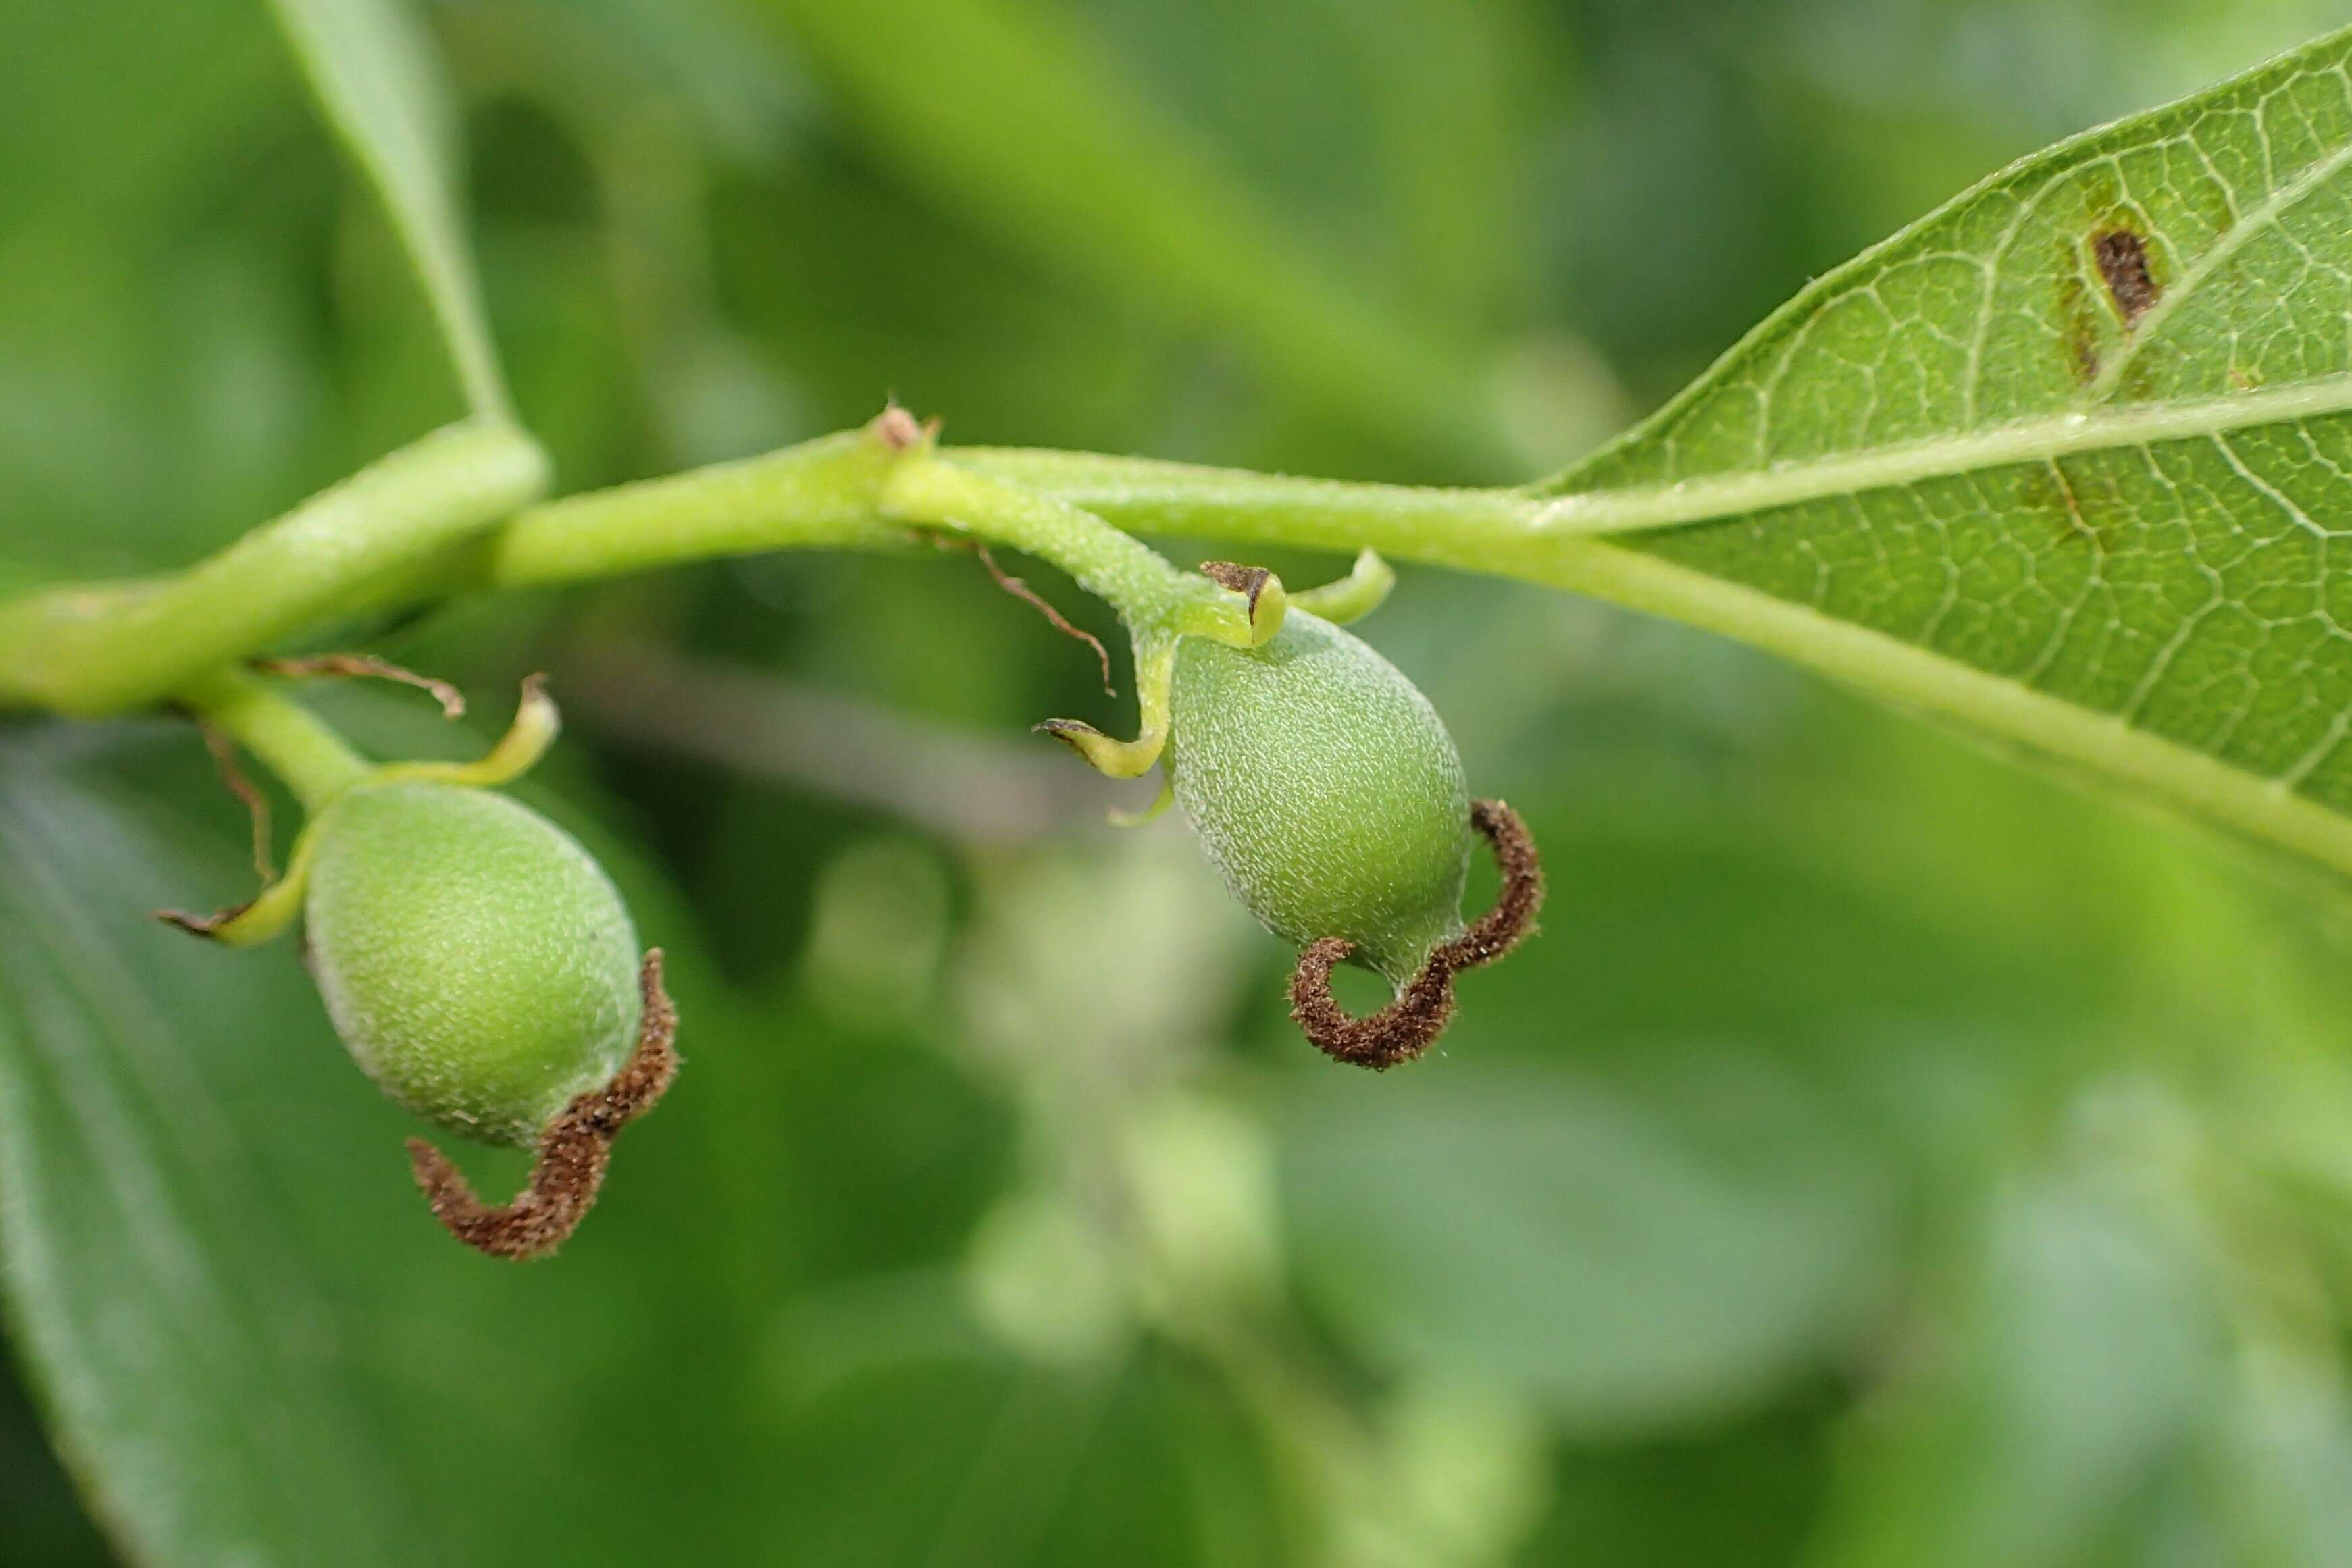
2080,313
2053,493
2122,258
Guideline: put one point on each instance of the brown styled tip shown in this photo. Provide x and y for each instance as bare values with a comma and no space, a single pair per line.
573,1153
201,924
1249,581
1070,732
1403,1029
1398,1032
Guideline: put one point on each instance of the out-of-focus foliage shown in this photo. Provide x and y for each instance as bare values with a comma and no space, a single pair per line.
1884,1157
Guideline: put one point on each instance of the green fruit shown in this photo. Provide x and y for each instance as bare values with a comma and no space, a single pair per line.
1326,790
477,964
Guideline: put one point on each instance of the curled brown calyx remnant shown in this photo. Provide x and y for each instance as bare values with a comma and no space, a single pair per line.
1402,1031
573,1153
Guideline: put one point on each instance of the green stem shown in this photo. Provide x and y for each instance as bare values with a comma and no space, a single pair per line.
1508,534
1123,571
114,647
416,527
820,494
401,532
285,738
1496,531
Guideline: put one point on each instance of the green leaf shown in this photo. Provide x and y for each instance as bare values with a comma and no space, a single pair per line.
381,86
189,1363
254,1345
2064,462
1636,1261
967,1459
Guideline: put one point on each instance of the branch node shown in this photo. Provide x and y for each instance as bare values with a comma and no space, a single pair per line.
895,429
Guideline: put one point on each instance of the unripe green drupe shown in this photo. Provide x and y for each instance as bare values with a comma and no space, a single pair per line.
1326,790
478,963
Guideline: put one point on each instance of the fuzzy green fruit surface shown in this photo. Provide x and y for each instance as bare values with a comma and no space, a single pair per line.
478,963
1326,790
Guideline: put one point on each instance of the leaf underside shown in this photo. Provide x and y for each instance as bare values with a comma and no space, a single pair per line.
190,1363
379,86
2087,430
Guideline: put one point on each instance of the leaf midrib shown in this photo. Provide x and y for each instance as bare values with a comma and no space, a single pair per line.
2042,439
2258,808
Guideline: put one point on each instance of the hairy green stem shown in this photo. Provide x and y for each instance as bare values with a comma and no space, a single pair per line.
419,526
285,738
1495,532
822,494
1120,569
414,527
112,647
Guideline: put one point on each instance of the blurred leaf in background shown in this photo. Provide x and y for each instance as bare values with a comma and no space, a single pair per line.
1882,1156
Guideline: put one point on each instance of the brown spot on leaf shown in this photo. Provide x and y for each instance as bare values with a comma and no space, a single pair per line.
2048,492
2086,355
2082,319
2076,522
2121,256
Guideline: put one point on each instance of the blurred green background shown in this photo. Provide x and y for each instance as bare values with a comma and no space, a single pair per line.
1884,1157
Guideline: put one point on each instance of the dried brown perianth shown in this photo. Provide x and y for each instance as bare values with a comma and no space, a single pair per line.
1403,1029
574,1152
